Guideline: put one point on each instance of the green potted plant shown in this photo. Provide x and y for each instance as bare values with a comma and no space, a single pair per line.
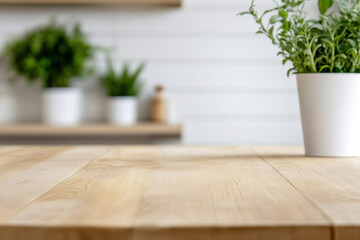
122,89
325,56
54,55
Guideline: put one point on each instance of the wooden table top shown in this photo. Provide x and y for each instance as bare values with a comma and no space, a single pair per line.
191,193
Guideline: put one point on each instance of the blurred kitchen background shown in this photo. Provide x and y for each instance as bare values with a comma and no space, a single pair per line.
225,84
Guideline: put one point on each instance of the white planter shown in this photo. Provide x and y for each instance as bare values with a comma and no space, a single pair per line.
330,113
7,108
122,110
61,106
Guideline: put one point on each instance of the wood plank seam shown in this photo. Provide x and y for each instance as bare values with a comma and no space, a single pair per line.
332,225
67,177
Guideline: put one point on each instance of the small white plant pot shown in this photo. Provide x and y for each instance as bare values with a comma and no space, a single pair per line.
330,113
7,108
61,106
122,110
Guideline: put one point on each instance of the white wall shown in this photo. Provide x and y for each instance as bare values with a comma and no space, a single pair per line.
229,86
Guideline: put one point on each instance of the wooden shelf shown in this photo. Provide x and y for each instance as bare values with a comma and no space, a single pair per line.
99,2
140,129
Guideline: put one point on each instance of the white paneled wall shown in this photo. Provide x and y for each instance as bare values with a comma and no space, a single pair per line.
227,84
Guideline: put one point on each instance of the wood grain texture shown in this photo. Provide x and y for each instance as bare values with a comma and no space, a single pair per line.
141,129
331,184
29,172
163,193
19,158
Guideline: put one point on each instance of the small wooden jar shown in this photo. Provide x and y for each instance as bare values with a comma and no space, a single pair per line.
159,106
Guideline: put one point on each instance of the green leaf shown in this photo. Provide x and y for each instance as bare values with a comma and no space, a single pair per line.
283,14
271,32
324,5
52,54
307,61
328,43
274,19
124,83
324,67
352,52
352,42
289,71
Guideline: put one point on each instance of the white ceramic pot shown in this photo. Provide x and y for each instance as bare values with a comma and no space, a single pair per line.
330,113
7,108
122,110
61,106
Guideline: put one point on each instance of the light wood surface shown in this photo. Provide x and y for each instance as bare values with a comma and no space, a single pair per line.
142,2
331,184
140,129
27,173
118,192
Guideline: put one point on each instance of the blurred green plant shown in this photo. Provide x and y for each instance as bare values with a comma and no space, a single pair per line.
330,43
52,54
126,83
